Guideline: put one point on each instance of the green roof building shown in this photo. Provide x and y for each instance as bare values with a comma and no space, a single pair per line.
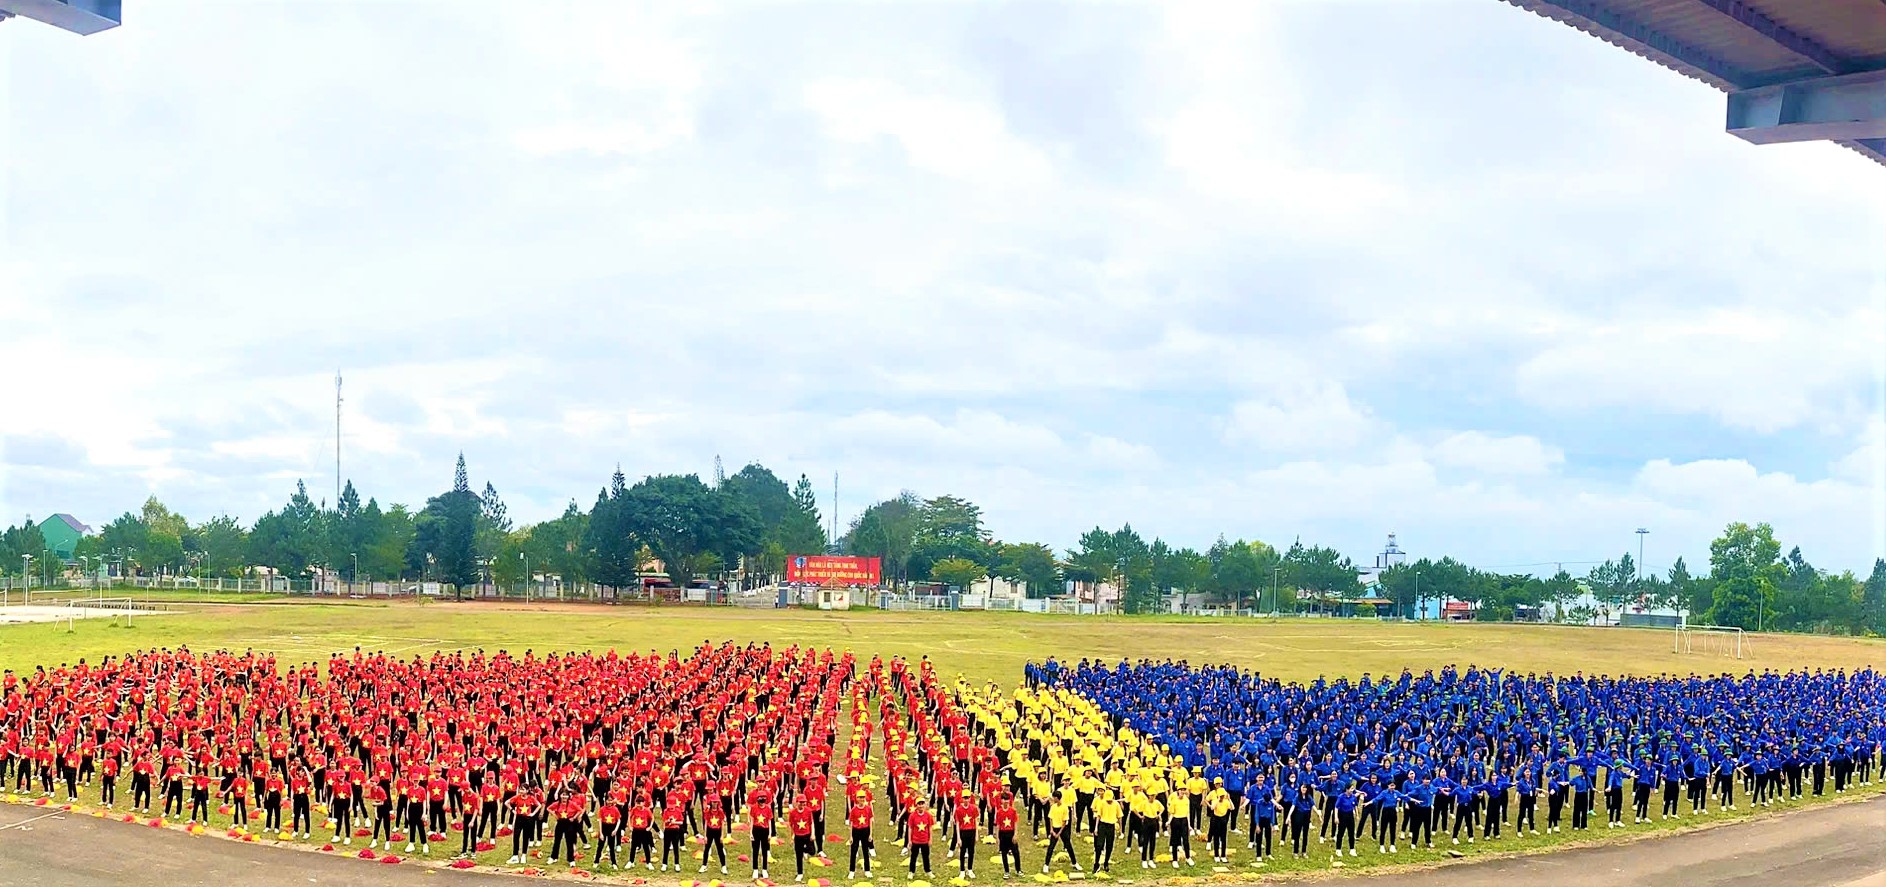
62,533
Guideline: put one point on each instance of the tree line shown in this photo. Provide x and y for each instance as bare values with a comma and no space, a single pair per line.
751,521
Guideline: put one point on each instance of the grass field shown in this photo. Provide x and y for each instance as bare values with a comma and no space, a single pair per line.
980,646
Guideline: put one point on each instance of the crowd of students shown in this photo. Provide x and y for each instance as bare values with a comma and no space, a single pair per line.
604,753
1469,754
654,756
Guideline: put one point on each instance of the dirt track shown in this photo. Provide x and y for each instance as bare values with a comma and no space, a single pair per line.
1841,845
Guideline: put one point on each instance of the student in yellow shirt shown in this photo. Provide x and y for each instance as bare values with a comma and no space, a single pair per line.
1060,832
1179,819
1106,820
1218,806
1152,815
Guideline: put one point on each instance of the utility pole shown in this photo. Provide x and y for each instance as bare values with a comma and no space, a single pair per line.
834,508
337,440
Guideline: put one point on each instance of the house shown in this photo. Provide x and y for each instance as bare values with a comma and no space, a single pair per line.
62,533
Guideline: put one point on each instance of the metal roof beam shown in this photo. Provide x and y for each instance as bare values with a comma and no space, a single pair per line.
1607,24
1805,47
1849,108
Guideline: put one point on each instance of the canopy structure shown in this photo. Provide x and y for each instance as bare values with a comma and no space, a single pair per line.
1795,70
77,16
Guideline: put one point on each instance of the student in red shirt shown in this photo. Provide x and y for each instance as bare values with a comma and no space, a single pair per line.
382,812
609,821
674,821
641,832
860,821
713,823
301,817
799,822
760,815
966,820
272,787
1005,820
919,823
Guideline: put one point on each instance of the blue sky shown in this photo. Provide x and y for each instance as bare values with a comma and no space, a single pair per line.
1317,269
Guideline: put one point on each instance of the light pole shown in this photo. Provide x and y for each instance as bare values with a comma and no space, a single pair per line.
26,572
1421,603
1638,580
1273,590
526,559
356,577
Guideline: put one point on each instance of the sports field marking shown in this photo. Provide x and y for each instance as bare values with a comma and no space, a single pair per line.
26,822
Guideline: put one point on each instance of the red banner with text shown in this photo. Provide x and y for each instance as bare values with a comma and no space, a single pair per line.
825,569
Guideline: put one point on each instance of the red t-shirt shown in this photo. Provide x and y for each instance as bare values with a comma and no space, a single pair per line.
920,822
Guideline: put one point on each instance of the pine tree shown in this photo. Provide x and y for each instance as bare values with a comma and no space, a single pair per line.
460,484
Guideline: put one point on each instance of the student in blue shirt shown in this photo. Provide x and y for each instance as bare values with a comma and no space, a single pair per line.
1527,787
1389,799
1581,799
1301,808
1347,798
1262,798
1672,783
1557,784
1468,805
1614,772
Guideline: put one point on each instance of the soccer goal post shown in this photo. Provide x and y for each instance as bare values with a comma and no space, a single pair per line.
1711,640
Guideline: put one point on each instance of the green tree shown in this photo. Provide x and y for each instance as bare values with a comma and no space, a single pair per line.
225,545
1744,565
788,520
679,518
561,545
615,555
1324,572
948,527
1873,599
444,544
391,536
887,530
958,572
1033,565
1240,574
1681,589
291,540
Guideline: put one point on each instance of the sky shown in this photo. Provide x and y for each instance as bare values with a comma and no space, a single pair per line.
1320,270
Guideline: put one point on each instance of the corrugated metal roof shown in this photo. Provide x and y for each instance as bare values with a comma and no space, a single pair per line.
1739,44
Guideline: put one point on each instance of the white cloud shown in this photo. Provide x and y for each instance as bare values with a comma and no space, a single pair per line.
958,138
1762,370
1498,455
1298,418
1133,266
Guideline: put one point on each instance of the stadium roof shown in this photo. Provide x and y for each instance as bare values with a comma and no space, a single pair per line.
1795,70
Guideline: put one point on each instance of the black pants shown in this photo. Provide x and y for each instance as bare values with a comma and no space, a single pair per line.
762,850
1469,816
140,791
108,790
671,839
1007,848
199,805
1386,827
1581,809
643,840
1554,808
1614,804
383,822
563,838
714,845
1670,789
1103,846
1261,837
272,810
1219,832
301,816
1299,831
1345,828
611,836
917,850
802,847
966,849
1058,837
1640,800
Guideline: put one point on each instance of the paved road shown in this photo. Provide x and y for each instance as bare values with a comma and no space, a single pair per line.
1840,845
